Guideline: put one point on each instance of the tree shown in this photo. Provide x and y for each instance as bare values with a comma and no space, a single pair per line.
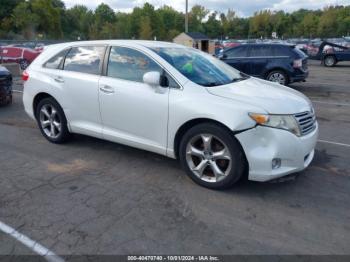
25,20
310,24
212,26
7,7
328,23
196,16
49,18
145,28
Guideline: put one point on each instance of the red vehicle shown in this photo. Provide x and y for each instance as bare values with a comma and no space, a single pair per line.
20,55
230,44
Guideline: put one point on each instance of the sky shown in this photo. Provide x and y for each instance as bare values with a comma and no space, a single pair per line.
242,8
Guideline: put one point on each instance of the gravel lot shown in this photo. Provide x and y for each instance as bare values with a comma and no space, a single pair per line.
95,197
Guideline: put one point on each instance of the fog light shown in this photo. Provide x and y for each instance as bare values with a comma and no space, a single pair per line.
276,163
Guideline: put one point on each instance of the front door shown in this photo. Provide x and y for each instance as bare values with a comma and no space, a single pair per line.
133,113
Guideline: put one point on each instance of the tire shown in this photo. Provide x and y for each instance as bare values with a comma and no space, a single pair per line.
278,76
51,121
329,61
23,63
9,100
211,156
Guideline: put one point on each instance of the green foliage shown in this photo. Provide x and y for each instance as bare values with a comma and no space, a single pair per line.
145,28
35,19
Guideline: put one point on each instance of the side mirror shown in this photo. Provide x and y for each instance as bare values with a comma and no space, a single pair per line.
223,56
152,78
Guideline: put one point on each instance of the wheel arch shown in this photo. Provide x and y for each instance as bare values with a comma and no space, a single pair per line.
329,55
278,69
38,97
193,122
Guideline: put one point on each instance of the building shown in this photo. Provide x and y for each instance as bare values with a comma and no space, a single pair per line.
196,40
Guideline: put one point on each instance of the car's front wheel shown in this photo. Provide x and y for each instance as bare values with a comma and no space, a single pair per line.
52,121
211,156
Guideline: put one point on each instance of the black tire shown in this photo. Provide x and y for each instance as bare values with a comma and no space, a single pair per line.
329,61
64,133
23,63
9,99
271,77
236,153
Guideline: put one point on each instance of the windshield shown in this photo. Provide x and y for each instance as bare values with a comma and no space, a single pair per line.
199,67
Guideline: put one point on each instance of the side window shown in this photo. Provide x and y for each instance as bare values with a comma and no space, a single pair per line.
84,59
56,61
129,64
260,51
170,82
240,51
281,51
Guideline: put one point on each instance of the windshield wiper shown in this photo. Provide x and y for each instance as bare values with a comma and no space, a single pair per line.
243,77
212,84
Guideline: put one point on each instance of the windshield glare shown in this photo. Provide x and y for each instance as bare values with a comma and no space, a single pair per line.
199,67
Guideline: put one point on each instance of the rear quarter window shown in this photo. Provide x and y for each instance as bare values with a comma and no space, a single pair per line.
56,61
85,59
282,51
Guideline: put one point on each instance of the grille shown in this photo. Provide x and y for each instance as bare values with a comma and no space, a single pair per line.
306,121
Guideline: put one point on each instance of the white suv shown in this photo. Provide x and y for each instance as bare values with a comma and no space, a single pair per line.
175,101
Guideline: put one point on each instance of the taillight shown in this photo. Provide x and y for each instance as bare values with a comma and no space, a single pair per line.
298,63
25,76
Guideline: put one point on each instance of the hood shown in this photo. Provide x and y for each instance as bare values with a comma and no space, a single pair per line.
272,97
3,70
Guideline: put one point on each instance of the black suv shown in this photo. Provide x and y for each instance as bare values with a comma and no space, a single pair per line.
280,63
5,86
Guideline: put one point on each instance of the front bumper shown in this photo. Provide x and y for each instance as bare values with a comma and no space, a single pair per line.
263,144
5,94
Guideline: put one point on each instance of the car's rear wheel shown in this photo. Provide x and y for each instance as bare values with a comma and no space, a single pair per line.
211,156
278,76
329,61
23,63
52,121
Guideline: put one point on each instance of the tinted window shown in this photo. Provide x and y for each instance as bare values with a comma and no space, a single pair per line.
259,51
129,64
84,59
240,51
55,62
282,51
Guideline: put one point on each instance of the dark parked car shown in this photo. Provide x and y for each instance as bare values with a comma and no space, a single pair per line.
5,86
333,54
280,63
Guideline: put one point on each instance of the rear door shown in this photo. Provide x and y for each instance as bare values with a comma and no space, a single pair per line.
259,57
79,78
237,57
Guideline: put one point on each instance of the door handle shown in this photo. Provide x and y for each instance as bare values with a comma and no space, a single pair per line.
59,79
107,89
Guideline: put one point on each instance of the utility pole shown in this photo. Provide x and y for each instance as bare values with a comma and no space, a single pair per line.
186,17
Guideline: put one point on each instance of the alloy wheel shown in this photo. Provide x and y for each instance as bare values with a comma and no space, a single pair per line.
329,61
50,121
277,77
208,158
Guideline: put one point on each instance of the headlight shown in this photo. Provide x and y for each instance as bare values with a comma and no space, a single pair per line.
286,122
